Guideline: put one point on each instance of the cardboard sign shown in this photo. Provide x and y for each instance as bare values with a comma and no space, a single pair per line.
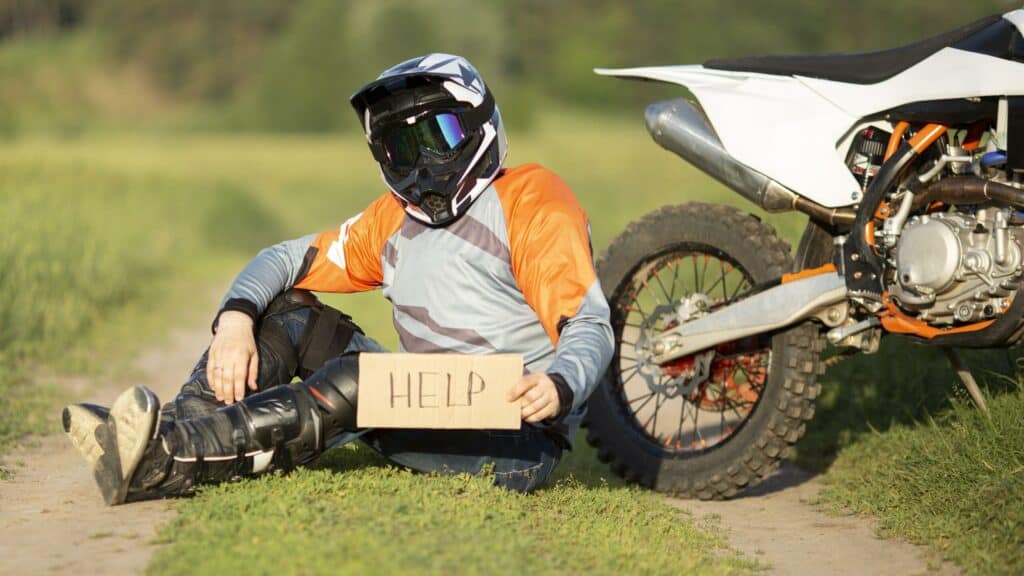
438,391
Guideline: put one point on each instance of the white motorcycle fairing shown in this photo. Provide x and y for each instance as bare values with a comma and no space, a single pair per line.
797,129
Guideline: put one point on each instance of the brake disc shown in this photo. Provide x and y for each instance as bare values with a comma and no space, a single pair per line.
658,378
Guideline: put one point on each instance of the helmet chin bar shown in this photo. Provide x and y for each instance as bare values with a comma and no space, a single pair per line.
435,206
429,189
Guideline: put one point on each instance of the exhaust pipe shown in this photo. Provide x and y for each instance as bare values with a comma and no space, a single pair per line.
678,126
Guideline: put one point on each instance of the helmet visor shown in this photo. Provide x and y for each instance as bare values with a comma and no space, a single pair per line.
440,134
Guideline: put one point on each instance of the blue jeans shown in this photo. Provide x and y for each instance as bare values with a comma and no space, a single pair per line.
522,459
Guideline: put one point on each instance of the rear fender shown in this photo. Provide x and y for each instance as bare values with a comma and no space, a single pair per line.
691,76
775,125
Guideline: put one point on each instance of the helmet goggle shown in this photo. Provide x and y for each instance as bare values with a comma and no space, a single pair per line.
401,144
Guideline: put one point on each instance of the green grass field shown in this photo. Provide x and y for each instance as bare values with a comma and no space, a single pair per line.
954,481
365,516
106,235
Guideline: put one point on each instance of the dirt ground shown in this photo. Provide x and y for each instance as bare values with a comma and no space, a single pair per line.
52,518
776,522
53,521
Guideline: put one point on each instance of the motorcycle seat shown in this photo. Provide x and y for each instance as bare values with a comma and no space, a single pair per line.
992,35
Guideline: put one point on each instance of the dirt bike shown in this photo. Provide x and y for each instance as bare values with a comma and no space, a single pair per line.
908,162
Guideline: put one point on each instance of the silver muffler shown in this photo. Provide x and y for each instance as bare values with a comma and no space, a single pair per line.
775,308
680,127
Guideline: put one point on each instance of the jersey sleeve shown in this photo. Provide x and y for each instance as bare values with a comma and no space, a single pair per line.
348,258
552,262
549,243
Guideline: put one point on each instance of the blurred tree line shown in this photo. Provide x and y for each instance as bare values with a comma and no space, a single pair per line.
290,65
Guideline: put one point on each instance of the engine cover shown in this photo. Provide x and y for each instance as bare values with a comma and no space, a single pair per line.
929,254
957,267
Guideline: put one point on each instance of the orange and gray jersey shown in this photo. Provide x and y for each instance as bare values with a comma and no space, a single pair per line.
515,274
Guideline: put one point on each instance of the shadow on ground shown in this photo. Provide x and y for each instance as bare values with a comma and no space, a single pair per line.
903,383
579,466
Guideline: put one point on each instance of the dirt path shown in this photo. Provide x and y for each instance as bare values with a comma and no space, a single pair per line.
776,523
52,519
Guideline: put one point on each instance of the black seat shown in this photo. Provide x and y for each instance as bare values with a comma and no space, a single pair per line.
986,35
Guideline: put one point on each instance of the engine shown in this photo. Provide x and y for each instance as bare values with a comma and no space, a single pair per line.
955,267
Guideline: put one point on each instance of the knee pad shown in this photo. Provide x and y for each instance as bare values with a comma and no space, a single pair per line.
281,419
334,389
279,360
326,333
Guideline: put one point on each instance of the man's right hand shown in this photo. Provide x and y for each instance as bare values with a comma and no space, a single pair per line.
233,359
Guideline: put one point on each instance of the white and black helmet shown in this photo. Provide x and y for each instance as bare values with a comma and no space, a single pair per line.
436,132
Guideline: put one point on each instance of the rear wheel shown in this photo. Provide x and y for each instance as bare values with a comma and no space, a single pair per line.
709,424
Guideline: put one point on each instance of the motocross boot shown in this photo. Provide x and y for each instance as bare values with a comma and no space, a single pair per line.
277,429
80,424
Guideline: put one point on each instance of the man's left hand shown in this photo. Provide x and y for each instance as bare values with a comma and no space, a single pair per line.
537,397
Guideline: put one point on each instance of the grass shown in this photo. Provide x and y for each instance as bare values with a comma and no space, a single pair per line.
955,482
86,252
357,515
897,439
903,384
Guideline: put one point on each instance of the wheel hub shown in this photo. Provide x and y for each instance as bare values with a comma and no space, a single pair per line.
680,377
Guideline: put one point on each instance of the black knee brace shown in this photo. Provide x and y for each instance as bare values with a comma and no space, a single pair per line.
326,334
334,389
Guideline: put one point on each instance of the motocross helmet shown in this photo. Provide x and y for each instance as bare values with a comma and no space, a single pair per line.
433,127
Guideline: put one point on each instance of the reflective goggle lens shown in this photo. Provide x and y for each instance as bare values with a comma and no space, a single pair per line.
451,130
440,133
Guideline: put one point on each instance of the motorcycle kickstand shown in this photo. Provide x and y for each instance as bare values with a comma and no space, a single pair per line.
964,372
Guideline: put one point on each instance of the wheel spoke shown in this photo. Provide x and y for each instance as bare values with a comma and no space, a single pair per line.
737,379
622,375
648,395
739,287
725,295
696,426
733,407
654,417
704,273
663,291
636,306
647,284
682,419
641,407
713,286
675,277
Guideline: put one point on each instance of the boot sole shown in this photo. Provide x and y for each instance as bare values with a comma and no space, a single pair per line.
123,439
80,424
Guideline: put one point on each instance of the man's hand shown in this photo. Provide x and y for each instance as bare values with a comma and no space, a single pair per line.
537,397
233,360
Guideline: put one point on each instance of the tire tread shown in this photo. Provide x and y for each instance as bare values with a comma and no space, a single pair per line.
798,383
